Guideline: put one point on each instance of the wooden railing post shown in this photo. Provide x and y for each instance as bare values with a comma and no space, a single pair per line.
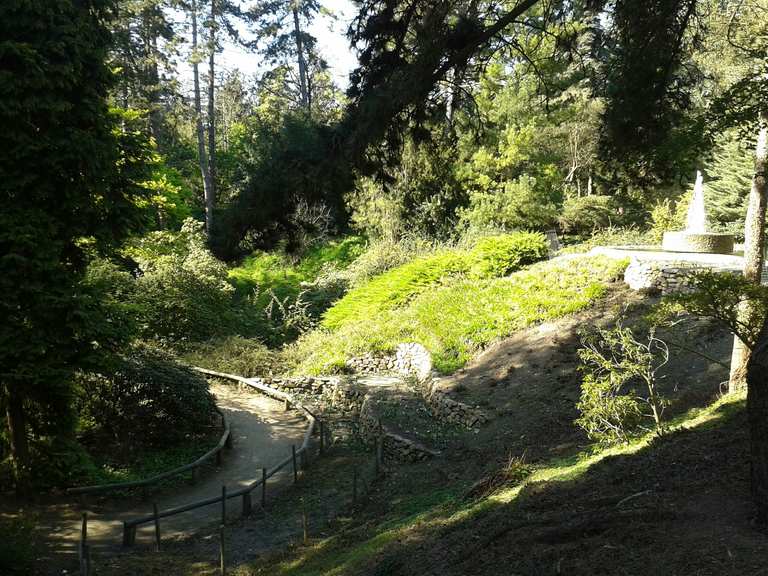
222,551
84,551
295,469
157,526
263,488
223,504
129,534
247,504
354,486
304,520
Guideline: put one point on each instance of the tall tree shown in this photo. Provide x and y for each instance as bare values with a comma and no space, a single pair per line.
143,44
281,26
202,153
66,189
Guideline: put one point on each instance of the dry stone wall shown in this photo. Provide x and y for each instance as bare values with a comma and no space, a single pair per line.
664,277
340,397
413,359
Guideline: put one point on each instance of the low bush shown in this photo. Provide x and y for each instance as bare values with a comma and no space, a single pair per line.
613,236
492,256
497,256
619,392
148,399
585,214
17,546
234,355
395,287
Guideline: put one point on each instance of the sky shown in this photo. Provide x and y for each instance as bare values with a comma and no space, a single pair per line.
332,43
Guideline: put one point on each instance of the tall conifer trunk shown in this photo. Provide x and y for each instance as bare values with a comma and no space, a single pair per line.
302,61
17,437
202,155
212,102
754,249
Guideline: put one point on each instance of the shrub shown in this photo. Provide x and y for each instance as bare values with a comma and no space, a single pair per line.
615,364
586,214
147,399
521,204
17,546
395,287
234,355
496,256
630,236
666,216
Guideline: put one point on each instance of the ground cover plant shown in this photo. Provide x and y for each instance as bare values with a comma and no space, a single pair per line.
480,311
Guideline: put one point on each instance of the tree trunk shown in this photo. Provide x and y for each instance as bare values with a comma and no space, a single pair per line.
757,410
754,248
302,62
212,102
202,156
17,436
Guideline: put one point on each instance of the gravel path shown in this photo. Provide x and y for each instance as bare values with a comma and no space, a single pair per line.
263,434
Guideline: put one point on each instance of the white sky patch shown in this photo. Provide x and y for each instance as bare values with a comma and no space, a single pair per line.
332,44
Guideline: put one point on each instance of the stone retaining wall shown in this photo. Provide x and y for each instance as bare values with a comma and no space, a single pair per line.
665,277
413,359
339,396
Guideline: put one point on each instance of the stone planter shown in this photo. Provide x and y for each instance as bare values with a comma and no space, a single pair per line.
698,242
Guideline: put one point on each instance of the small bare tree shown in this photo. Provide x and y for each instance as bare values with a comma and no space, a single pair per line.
619,390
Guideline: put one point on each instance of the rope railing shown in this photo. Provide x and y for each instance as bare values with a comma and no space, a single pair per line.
215,452
130,526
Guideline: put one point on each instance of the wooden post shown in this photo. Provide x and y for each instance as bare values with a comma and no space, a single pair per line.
295,469
222,551
83,548
223,504
304,521
247,504
379,454
157,526
322,437
129,534
354,486
263,488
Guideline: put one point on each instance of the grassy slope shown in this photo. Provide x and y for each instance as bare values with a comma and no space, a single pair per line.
457,318
676,505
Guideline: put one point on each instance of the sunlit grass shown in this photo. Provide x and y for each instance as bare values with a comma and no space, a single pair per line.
454,321
341,554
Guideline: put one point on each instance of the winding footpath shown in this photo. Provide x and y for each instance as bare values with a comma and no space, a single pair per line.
263,433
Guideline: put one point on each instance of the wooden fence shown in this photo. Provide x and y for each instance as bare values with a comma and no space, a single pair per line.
297,460
215,452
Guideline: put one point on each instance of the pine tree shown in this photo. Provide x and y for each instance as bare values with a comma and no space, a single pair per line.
730,175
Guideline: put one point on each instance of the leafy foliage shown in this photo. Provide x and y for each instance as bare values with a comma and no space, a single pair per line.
615,364
585,214
234,355
70,185
496,256
148,399
720,296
